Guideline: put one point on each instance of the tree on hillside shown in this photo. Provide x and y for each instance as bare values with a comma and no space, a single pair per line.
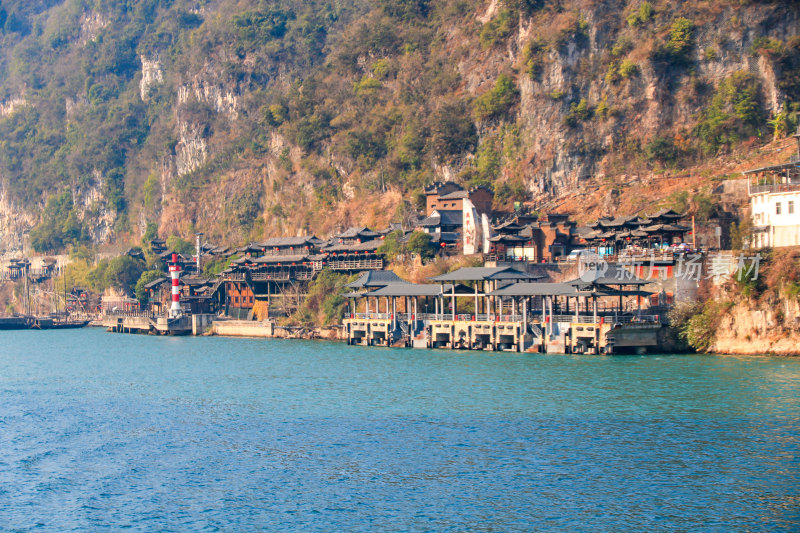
123,272
147,276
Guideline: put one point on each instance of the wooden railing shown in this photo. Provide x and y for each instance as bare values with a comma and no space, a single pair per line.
370,316
143,314
778,187
356,264
270,276
281,276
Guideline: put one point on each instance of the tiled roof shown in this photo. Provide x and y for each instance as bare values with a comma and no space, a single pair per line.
455,195
376,278
485,273
444,217
367,246
275,242
283,259
354,232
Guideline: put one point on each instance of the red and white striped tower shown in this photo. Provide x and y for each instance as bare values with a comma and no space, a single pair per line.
175,274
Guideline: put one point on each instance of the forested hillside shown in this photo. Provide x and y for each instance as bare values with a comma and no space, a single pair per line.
243,118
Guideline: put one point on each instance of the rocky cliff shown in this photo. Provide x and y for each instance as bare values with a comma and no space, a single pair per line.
246,118
766,328
754,313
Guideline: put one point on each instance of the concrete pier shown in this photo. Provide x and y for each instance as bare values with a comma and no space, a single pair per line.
584,336
145,324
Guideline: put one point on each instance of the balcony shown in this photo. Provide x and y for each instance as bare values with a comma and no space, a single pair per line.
774,188
355,264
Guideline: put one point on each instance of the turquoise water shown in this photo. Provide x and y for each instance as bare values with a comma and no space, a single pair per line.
103,432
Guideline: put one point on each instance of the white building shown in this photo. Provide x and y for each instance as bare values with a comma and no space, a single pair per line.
776,218
775,203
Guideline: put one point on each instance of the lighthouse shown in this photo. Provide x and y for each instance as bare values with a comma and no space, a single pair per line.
175,310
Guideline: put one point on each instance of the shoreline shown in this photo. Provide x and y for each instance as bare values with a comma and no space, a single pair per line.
336,333
269,330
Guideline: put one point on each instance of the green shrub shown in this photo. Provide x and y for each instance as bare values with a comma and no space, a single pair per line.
741,233
533,58
678,47
735,113
419,243
578,113
640,16
622,46
181,246
150,233
767,46
704,206
612,73
489,161
405,10
212,269
578,30
260,27
498,29
324,303
603,110
749,286
697,322
511,191
382,69
123,272
524,7
663,150
242,208
152,191
624,69
701,328
498,100
367,86
148,276
60,225
628,68
679,317
784,123
275,114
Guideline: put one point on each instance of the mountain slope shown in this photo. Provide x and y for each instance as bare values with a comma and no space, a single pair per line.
244,118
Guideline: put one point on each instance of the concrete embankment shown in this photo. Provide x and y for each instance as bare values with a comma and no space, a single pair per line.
269,329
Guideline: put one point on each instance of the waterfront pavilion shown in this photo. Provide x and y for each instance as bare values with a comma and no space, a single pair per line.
409,293
595,293
367,283
486,279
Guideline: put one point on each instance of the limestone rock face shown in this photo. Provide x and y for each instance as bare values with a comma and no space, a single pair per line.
14,224
151,75
208,99
759,328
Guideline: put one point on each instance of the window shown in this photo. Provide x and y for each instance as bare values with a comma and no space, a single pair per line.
777,208
790,207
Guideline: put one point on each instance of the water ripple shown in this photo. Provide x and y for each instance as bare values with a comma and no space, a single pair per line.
225,434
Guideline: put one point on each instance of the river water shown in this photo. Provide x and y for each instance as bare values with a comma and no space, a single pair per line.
100,431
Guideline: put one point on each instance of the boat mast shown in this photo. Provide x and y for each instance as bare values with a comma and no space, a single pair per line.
27,292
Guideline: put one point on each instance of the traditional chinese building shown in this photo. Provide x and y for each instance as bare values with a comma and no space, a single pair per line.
635,234
526,238
450,196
